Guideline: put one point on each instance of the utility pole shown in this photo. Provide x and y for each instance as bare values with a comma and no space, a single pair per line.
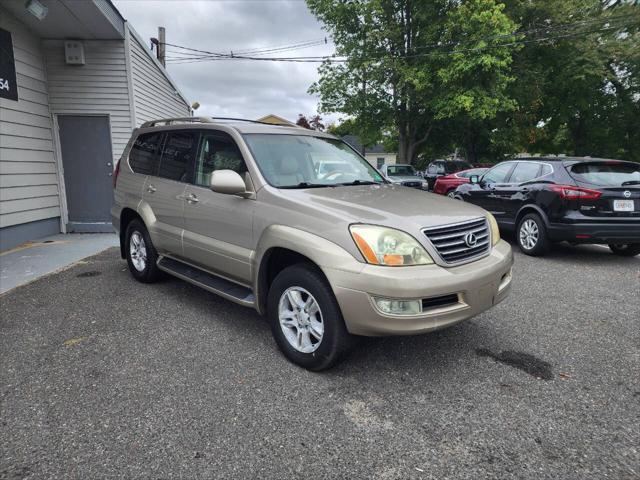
161,45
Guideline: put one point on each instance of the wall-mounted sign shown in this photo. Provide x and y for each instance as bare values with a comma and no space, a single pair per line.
8,84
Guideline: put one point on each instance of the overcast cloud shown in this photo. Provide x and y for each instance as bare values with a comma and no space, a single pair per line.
248,89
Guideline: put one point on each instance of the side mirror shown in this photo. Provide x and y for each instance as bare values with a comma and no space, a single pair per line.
474,179
228,182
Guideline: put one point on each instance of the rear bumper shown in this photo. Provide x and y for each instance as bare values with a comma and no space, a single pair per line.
478,286
595,232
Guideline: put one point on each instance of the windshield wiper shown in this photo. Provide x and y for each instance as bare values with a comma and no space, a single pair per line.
307,185
631,182
358,182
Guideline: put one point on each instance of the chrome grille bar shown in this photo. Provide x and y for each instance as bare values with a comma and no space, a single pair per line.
460,242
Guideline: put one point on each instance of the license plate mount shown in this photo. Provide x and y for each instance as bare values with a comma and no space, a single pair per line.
623,206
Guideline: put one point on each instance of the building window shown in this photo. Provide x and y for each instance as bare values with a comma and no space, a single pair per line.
380,161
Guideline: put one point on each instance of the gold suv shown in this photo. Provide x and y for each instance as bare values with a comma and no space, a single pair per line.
244,210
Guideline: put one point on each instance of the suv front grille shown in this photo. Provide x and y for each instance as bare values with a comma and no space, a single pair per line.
455,243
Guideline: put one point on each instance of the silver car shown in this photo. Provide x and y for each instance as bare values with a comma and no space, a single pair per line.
243,210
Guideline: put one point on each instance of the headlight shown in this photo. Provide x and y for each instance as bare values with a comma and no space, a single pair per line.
495,231
388,246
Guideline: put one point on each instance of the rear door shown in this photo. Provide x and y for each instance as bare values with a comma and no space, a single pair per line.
163,192
619,184
218,232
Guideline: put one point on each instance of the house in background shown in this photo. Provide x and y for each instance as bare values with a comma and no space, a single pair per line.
76,80
276,120
375,155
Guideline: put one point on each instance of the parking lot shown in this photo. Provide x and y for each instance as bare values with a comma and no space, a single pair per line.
105,377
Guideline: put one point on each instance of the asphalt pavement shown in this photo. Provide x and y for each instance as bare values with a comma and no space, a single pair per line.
104,377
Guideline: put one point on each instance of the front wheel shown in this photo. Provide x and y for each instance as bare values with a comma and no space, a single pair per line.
305,319
625,250
532,235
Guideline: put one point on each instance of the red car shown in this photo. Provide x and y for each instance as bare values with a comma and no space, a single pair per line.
447,184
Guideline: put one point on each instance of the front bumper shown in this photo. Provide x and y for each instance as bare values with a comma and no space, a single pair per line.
628,232
478,285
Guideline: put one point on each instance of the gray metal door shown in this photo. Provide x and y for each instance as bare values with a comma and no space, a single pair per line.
85,142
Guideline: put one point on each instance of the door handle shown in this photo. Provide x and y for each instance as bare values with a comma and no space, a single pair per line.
151,189
191,198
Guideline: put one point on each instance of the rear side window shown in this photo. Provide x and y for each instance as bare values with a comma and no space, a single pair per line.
177,155
524,172
143,157
610,174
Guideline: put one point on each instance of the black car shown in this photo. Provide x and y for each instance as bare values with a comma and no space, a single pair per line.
439,168
579,200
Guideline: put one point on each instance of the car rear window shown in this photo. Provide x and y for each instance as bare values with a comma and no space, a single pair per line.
610,174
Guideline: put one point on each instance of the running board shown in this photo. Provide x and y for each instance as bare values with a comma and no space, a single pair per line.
213,283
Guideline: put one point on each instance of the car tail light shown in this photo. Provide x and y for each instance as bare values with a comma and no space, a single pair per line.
576,193
116,172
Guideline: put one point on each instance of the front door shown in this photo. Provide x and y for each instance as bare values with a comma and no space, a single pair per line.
87,161
218,227
484,193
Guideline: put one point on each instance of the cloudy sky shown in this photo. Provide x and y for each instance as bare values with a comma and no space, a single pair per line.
248,89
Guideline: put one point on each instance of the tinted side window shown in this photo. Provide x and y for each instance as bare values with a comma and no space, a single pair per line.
497,174
176,155
218,151
524,172
432,168
143,157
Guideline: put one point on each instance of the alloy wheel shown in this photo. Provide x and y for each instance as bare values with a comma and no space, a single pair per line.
138,251
300,319
529,234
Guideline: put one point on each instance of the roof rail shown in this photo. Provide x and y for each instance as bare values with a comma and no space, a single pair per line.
170,121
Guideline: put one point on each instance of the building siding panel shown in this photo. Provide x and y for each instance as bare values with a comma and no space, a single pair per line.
97,88
154,96
28,178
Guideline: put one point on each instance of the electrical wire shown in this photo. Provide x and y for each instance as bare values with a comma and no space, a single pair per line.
192,55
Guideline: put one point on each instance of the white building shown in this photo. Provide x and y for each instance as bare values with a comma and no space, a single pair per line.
75,79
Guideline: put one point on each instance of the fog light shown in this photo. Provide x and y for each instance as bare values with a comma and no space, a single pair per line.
394,306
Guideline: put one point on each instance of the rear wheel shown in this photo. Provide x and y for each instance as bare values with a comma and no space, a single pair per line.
451,193
625,250
141,254
532,235
306,320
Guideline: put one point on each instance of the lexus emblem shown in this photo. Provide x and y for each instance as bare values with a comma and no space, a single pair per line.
470,239
626,194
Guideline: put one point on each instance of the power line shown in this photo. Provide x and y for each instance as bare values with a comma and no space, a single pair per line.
213,56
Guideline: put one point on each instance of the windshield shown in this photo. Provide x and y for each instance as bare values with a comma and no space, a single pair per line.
302,161
400,170
609,174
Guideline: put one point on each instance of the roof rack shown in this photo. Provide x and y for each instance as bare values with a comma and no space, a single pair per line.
171,121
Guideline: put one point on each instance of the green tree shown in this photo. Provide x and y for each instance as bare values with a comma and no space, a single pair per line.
411,65
578,80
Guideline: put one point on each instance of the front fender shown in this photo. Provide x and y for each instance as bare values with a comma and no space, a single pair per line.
328,256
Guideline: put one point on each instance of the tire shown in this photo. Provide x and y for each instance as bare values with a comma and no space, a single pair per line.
141,254
298,336
625,250
532,235
451,193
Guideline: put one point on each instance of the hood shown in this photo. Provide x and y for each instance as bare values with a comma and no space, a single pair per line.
390,205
